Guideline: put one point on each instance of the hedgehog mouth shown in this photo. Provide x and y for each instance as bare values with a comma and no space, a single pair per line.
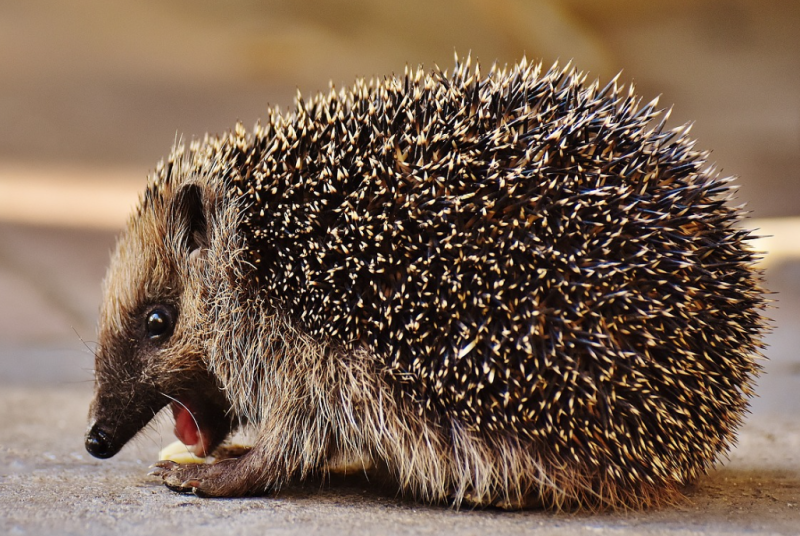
201,427
189,430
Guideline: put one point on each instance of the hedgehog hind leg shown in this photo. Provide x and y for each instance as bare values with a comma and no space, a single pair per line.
515,475
344,463
572,490
499,501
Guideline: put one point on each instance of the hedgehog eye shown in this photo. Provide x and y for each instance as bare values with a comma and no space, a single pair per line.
158,323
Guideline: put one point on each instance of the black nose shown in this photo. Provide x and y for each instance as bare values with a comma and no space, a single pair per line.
98,443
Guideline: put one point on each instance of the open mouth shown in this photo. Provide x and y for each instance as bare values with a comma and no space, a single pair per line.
189,430
200,426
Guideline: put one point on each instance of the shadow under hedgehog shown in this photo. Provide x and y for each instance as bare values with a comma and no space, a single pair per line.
513,290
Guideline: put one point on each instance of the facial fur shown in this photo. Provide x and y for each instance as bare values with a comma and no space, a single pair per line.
151,352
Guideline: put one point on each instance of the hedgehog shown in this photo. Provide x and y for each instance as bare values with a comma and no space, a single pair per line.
513,290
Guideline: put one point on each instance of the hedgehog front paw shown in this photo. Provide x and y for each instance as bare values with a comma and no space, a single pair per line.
225,478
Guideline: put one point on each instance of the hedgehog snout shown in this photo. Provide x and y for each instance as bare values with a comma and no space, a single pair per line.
98,442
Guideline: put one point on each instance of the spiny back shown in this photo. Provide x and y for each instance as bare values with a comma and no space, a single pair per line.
524,254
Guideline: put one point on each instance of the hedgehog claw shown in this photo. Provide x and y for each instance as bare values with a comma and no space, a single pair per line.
177,489
176,477
161,468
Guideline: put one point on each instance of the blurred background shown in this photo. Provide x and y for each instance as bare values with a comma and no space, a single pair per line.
94,92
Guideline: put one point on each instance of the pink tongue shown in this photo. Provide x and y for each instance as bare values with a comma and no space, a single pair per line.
186,429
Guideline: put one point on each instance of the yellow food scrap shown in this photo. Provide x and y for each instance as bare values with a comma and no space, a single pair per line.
179,453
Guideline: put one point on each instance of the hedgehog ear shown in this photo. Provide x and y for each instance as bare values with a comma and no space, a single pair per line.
190,218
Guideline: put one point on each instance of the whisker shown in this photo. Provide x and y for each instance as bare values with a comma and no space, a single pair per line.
184,407
92,351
